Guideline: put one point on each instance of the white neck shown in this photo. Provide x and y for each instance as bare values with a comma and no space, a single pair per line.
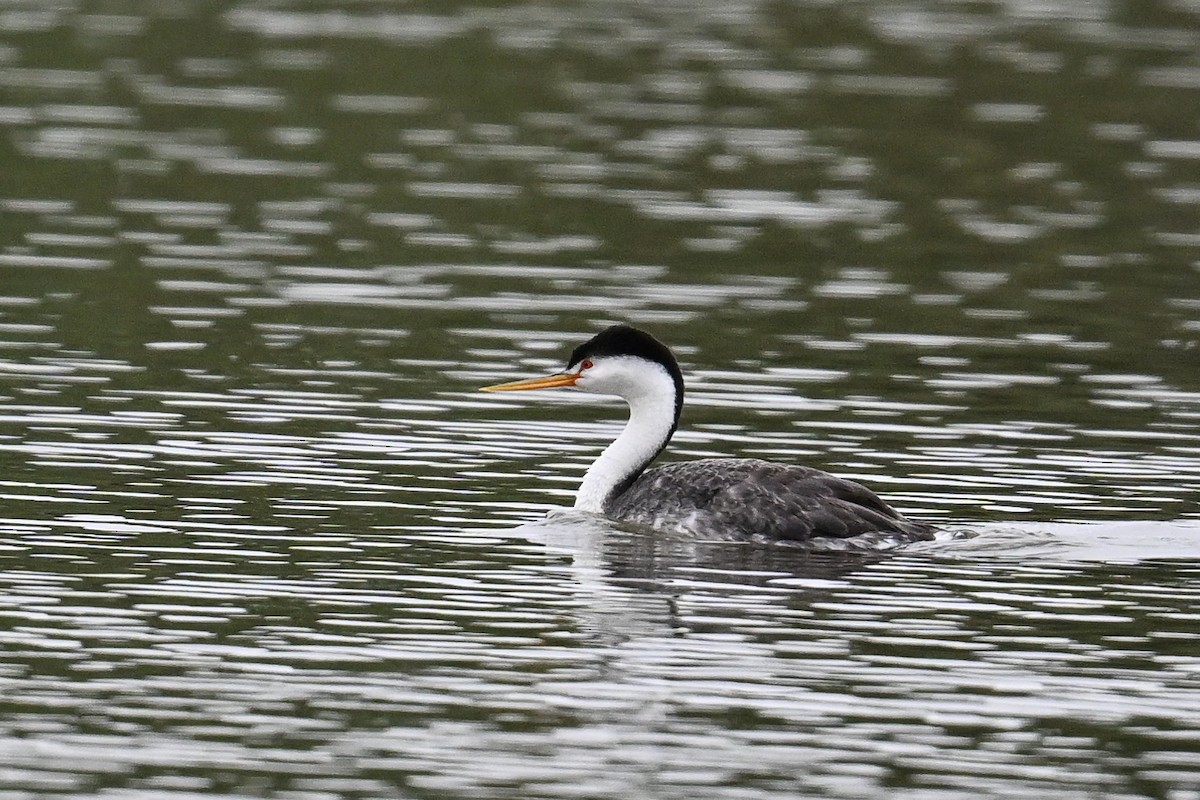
651,401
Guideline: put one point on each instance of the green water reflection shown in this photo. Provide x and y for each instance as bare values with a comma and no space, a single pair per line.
257,525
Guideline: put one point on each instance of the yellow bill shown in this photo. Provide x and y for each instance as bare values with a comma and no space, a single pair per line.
548,382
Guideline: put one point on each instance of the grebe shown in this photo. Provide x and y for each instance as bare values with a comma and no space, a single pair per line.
729,497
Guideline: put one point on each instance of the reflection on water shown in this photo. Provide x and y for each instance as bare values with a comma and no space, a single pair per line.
260,536
567,657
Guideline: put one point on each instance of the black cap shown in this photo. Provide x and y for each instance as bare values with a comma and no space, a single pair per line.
625,340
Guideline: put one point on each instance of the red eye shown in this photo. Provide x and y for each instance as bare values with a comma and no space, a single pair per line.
587,364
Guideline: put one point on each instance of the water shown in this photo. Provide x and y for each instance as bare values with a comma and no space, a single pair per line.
261,537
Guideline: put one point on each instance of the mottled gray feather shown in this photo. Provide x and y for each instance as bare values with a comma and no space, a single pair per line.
746,497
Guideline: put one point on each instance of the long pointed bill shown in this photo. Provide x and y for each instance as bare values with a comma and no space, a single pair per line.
548,382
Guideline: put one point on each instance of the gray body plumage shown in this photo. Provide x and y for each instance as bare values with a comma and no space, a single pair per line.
750,498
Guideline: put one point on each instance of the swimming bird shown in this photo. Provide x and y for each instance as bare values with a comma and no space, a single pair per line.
721,497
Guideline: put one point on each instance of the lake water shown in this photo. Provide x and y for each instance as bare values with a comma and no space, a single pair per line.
260,536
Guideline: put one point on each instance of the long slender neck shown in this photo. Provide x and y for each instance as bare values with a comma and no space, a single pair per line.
653,414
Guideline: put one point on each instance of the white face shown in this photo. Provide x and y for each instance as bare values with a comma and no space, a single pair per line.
623,376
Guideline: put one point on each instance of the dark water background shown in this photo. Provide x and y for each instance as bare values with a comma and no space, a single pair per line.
260,537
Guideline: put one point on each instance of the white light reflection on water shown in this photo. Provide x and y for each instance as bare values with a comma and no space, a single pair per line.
604,654
257,528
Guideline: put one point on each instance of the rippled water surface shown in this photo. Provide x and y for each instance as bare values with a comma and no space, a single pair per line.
261,537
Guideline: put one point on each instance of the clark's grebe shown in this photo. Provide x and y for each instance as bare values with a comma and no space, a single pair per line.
742,497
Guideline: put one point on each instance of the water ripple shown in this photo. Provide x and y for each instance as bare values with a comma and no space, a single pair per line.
261,536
